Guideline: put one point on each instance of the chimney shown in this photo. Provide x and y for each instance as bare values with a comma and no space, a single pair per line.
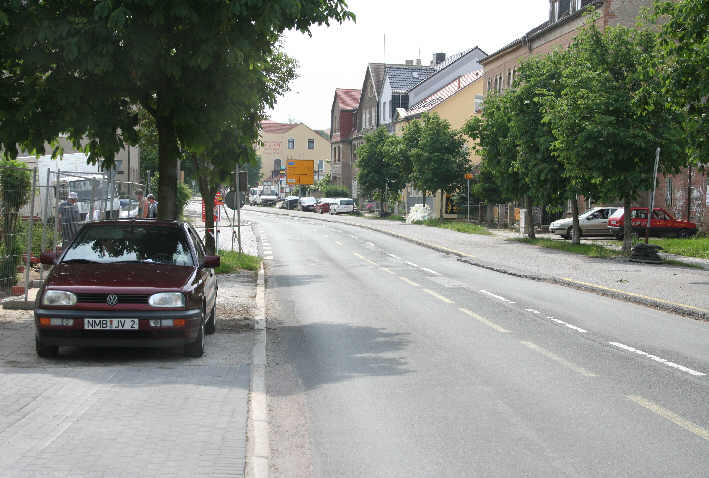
438,58
409,62
418,61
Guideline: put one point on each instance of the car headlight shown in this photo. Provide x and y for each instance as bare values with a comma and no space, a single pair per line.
58,297
167,299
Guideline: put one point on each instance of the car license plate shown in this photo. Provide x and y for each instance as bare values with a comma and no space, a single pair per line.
111,324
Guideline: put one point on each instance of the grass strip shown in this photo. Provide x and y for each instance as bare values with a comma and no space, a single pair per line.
233,261
392,217
692,247
465,227
590,250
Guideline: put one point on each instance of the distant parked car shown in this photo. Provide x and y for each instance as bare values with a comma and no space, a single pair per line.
662,223
342,206
307,204
323,205
290,202
592,223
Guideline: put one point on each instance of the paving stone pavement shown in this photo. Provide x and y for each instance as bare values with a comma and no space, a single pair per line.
127,412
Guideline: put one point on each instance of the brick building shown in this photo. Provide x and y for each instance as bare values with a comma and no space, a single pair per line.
342,127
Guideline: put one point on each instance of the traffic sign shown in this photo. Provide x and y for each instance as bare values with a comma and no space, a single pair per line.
468,176
299,171
218,199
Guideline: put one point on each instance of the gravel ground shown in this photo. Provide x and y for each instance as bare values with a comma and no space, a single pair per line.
671,283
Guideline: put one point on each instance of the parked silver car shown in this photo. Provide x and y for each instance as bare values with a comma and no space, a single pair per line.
592,223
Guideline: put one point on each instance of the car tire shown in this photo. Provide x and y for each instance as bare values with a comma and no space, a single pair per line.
46,351
211,325
619,236
684,233
196,348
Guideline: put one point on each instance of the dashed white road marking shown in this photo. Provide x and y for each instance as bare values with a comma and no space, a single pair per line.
438,296
338,243
498,297
658,359
430,271
485,321
394,256
566,324
411,264
369,243
364,258
408,281
533,311
561,360
671,416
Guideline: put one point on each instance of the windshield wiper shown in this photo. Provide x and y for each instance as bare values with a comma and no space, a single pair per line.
79,261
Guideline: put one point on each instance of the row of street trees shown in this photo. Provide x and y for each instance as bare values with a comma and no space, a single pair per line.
204,72
429,155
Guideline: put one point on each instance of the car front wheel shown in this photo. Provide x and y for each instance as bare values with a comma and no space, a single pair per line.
45,351
196,348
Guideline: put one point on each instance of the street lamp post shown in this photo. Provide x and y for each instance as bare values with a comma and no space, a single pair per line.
468,177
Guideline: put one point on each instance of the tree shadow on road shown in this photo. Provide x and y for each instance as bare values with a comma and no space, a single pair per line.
324,353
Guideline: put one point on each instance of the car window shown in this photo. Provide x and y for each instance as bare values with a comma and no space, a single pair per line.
639,214
660,215
130,243
346,202
618,213
198,245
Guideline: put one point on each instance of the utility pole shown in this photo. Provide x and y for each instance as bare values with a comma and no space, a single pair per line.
238,207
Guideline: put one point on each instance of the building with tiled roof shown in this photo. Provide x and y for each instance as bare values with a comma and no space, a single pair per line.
342,127
280,142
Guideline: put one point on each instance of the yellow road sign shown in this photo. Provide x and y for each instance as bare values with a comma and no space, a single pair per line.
299,171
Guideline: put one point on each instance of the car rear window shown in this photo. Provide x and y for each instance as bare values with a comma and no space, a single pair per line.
617,214
130,243
346,202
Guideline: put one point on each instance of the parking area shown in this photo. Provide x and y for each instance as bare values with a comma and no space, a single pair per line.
126,412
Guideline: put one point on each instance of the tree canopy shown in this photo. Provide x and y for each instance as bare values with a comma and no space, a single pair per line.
381,173
81,68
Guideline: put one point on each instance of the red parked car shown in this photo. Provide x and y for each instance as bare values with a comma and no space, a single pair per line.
323,205
661,224
128,283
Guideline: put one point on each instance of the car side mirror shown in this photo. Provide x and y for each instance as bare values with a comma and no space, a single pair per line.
48,258
211,261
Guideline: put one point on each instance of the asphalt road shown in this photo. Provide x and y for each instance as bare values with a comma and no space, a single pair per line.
388,359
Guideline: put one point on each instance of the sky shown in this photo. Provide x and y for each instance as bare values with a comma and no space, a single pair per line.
337,56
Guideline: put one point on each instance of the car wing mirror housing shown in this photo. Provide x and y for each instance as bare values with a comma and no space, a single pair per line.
211,261
48,258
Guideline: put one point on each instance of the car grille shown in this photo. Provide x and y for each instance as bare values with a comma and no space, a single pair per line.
122,298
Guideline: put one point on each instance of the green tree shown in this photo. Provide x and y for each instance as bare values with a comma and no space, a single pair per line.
438,155
380,171
684,43
77,67
15,190
612,115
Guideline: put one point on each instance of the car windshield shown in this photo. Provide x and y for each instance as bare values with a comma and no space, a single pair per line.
130,243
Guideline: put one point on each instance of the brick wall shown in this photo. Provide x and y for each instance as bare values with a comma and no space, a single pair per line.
672,194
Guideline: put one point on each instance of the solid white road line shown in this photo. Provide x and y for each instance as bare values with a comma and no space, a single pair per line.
410,282
438,296
533,311
485,321
658,359
671,416
561,360
566,324
498,297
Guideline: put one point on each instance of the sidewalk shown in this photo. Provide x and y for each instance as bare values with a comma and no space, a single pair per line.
676,288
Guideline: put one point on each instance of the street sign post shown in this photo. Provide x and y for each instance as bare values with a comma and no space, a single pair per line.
299,171
652,198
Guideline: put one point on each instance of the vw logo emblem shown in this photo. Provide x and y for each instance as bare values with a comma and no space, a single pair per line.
112,299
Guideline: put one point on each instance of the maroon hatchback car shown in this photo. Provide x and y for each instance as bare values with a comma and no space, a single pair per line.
132,283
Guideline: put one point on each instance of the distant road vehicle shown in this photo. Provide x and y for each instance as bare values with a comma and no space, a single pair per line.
128,283
267,197
342,206
290,202
307,203
592,223
253,196
323,205
662,223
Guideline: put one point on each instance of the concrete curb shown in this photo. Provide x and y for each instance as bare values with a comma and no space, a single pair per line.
681,309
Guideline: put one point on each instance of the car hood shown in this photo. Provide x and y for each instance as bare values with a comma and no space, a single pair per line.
146,276
562,222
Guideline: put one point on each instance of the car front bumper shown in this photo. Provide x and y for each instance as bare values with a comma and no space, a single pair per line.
146,335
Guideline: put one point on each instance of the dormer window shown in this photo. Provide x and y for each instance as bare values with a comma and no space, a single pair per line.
563,8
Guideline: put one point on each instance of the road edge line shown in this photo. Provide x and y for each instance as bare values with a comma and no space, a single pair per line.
651,302
257,436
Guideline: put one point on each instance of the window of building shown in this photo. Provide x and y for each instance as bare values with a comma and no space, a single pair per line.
321,165
668,192
311,143
509,78
291,143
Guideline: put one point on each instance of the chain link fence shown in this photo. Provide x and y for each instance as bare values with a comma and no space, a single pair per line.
40,214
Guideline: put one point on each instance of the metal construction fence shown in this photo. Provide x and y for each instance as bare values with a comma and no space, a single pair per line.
44,213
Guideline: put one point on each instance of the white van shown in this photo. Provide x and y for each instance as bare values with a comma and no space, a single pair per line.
342,206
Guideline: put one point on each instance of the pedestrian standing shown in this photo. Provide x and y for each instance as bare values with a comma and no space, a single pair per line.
152,207
143,207
70,218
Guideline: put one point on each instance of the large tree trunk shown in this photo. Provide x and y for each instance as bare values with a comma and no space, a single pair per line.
576,232
208,192
167,152
530,221
627,227
443,204
423,193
